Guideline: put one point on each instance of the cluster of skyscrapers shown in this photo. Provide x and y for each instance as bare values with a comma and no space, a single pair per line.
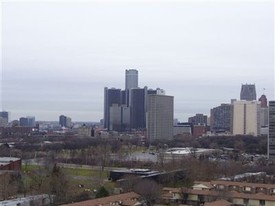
136,108
246,116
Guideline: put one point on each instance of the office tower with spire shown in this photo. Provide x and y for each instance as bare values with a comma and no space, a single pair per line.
264,111
248,92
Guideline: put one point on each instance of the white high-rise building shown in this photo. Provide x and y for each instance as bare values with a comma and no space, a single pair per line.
160,117
246,118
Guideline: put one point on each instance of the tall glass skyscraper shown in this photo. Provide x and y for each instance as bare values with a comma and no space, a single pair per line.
138,108
111,97
131,79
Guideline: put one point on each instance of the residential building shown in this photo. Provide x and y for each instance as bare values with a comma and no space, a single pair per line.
221,118
248,92
246,118
160,116
65,121
85,131
198,119
10,163
235,193
125,199
271,132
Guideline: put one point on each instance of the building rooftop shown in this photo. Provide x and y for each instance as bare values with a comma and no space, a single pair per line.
126,199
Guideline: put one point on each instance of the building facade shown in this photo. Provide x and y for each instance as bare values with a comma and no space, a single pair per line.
221,118
160,117
271,131
111,96
246,118
4,118
138,108
198,119
27,121
131,79
248,92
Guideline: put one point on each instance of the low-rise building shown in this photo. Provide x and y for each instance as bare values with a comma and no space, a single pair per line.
10,163
236,193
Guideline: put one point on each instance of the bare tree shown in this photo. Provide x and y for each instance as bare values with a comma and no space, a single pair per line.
149,190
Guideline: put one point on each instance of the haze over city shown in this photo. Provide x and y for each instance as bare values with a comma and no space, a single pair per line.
57,57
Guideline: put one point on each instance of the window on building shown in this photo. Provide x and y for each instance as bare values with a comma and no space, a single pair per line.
262,202
245,202
247,189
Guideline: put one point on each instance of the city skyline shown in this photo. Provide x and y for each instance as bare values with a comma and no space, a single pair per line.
199,52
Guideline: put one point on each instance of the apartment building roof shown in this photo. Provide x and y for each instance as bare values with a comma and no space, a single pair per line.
127,199
218,203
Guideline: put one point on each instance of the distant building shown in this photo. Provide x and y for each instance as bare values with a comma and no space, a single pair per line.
111,97
264,111
263,101
160,116
138,108
37,200
271,132
85,131
131,79
198,119
4,118
246,118
199,130
27,121
248,92
221,118
180,129
65,121
10,163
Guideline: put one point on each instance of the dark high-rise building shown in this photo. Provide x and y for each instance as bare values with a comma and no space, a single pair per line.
198,119
271,132
221,118
111,97
27,121
248,92
4,115
63,121
138,108
4,118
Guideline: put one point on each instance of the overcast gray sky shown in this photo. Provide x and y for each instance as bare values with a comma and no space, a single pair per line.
58,56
